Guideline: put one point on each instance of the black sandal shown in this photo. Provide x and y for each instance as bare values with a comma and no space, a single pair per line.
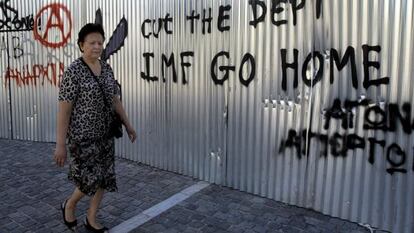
72,224
93,229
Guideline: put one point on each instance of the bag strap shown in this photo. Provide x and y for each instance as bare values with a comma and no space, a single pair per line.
97,81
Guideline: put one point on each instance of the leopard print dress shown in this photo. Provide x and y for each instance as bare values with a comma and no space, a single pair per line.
91,152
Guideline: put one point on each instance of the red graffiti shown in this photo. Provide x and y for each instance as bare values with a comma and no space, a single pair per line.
55,21
51,73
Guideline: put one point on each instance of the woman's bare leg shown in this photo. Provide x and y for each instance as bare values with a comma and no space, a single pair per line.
71,204
93,208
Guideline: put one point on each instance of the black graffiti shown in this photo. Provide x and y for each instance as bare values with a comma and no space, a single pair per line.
343,112
286,65
389,118
335,60
153,27
247,59
3,49
368,63
168,62
226,69
17,50
318,8
246,70
156,25
341,144
254,4
223,17
24,47
372,143
147,76
184,63
319,72
396,159
376,118
11,22
277,9
206,20
16,47
348,57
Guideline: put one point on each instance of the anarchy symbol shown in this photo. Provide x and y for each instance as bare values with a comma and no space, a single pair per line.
56,21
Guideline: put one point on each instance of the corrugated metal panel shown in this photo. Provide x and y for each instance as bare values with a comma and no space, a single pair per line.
259,136
262,113
5,124
35,65
348,185
180,125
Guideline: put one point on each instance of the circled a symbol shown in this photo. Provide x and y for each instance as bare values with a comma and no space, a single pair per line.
56,21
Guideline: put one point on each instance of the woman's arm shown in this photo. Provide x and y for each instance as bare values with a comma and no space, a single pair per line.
63,117
124,118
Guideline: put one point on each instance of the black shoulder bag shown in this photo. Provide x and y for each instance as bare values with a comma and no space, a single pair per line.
115,126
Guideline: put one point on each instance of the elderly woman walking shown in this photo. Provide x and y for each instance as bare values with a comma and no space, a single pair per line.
87,97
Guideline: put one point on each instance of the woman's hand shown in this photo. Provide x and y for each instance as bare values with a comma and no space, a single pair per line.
63,118
60,155
131,133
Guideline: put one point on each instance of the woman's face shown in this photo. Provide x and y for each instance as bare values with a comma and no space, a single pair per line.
93,45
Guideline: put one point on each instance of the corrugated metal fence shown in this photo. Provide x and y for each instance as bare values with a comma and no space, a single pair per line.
305,102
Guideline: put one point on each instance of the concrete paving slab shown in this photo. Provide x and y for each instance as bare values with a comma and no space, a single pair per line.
32,188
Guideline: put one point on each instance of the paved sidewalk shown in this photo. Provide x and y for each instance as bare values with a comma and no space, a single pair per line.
32,188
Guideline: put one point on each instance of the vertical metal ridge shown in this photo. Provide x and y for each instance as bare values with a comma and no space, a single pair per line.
233,134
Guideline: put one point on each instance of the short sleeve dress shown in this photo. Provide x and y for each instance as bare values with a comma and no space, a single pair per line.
91,152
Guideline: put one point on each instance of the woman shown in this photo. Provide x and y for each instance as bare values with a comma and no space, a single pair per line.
87,88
